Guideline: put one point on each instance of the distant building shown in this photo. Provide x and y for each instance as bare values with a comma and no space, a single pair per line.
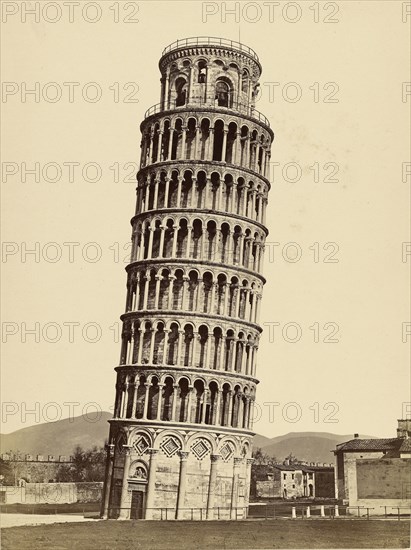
296,480
375,472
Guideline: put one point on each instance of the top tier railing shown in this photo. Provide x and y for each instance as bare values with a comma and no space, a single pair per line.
240,107
210,41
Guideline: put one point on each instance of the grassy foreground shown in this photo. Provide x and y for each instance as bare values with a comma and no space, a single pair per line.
210,535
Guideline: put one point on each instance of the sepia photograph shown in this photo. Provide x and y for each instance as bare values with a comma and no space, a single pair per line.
205,262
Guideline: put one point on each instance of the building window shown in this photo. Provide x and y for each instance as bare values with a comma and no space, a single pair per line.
181,92
222,94
202,72
284,476
292,476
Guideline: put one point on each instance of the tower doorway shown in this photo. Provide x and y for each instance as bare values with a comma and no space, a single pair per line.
137,505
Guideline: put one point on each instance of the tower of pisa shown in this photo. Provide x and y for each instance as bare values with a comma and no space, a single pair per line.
180,438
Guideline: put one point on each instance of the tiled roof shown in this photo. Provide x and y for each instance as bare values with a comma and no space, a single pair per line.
370,445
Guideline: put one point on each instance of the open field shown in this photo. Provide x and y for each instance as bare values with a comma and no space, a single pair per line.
210,535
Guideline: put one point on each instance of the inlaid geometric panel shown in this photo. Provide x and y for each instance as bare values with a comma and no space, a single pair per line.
170,446
227,452
200,448
141,444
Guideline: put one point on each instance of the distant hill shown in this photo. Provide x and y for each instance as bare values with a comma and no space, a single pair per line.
309,446
60,438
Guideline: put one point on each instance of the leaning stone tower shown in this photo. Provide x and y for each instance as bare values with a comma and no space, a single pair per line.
180,439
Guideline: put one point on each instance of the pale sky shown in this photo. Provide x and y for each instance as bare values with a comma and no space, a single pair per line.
359,63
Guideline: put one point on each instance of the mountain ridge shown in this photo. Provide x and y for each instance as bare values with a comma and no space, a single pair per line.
61,436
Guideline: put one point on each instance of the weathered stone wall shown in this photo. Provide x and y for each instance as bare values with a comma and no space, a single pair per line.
268,489
386,478
349,487
325,484
53,493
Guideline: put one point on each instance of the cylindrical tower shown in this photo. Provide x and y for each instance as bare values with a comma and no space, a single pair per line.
180,439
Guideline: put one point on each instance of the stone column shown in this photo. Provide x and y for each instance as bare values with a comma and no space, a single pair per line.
174,403
207,192
189,230
226,297
233,351
257,308
152,341
194,349
136,294
149,148
262,171
183,146
246,139
219,196
234,492
224,148
210,145
222,352
179,346
158,279
125,335
140,345
150,243
146,285
165,347
217,419
206,352
133,408
184,292
160,142
151,484
170,291
240,410
244,200
146,397
189,400
247,485
236,148
249,361
175,237
170,144
108,476
167,88
179,189
213,290
130,345
233,193
251,312
196,141
243,356
156,186
254,361
124,400
240,249
182,485
230,407
166,193
204,401
159,403
212,486
125,497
